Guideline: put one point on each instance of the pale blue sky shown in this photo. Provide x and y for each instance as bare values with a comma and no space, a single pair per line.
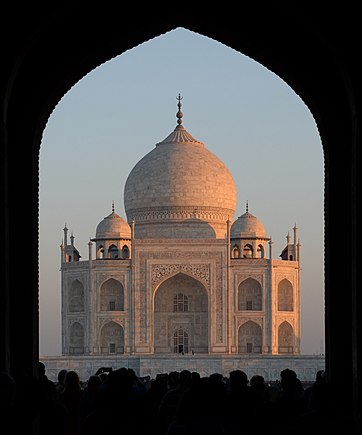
244,113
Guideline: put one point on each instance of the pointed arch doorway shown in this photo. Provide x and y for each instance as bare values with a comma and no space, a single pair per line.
181,317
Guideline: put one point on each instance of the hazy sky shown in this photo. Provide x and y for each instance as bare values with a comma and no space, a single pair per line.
244,113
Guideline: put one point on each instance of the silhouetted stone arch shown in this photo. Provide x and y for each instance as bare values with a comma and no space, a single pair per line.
250,338
76,339
112,338
285,296
76,297
331,93
250,295
286,339
194,320
112,296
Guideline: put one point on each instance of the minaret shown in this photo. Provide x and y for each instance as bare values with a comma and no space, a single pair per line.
295,229
65,229
90,244
71,253
62,252
298,250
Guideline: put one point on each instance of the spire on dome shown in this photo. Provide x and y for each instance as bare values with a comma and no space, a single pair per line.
112,206
179,114
247,206
180,135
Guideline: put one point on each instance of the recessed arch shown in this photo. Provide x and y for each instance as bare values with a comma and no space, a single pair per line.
285,295
76,297
250,338
76,339
181,315
250,295
286,338
111,296
111,338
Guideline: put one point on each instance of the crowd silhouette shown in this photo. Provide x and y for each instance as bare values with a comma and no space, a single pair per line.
117,401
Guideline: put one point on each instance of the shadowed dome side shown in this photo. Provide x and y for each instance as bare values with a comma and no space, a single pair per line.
113,227
247,225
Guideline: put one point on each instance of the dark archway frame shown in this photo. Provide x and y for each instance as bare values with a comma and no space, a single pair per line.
50,50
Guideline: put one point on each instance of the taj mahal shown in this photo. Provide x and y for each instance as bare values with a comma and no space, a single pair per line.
180,275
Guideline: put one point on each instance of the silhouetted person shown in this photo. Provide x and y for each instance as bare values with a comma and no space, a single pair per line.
138,387
70,397
308,392
122,408
264,407
195,377
90,398
240,402
53,415
262,392
289,403
169,403
200,409
158,388
44,382
60,380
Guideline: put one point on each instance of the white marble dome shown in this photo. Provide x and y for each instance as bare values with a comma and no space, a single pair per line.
247,226
113,226
181,185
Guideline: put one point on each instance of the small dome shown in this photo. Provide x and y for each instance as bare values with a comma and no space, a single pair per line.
113,227
247,226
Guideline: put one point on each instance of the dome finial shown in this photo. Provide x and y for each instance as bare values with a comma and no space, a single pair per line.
247,206
112,206
179,114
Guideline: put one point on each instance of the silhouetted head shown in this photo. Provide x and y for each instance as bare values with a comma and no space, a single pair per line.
238,379
41,369
185,378
94,383
72,381
195,376
288,379
320,376
61,376
256,380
